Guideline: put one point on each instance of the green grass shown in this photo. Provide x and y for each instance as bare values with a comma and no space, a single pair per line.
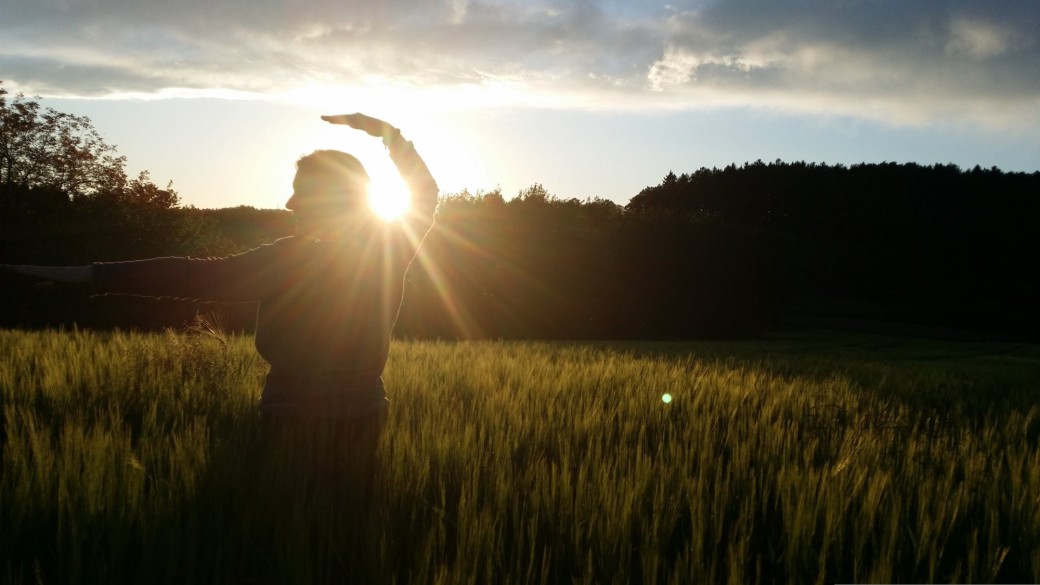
812,459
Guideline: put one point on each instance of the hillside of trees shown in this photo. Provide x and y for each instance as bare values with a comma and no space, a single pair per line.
715,252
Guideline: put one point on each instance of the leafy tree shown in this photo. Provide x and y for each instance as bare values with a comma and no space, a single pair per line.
44,148
65,196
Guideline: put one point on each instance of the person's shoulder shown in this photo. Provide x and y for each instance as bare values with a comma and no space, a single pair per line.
292,243
283,248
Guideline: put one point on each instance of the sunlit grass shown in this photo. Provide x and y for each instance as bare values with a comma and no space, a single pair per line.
138,458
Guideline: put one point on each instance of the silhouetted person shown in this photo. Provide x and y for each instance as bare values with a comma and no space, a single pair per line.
328,296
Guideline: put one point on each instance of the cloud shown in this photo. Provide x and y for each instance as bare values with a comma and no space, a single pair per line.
896,61
978,40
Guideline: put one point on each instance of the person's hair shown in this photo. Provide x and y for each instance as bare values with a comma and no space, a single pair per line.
344,181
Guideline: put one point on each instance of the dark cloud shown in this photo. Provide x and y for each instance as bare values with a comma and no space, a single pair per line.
909,60
882,58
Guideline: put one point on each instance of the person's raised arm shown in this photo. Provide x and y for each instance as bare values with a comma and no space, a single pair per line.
409,164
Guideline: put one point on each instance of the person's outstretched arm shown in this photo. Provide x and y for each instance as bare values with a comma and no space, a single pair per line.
410,165
230,279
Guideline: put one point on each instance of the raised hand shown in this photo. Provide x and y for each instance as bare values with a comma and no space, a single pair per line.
373,126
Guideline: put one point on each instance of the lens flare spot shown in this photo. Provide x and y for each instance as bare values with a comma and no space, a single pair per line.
666,398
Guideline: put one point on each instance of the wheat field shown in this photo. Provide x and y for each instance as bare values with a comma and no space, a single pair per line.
816,458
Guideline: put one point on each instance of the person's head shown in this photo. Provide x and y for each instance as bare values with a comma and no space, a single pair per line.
329,190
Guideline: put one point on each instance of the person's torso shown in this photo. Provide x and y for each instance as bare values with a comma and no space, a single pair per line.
328,311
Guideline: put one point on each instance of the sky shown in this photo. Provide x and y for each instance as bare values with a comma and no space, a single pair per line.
591,99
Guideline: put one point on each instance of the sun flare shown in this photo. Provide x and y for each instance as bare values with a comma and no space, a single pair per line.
389,199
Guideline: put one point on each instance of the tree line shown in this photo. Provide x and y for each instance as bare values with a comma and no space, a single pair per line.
933,244
715,252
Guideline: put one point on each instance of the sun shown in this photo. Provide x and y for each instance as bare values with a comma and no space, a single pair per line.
388,197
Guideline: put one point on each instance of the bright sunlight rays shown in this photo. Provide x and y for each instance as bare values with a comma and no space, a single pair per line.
388,197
